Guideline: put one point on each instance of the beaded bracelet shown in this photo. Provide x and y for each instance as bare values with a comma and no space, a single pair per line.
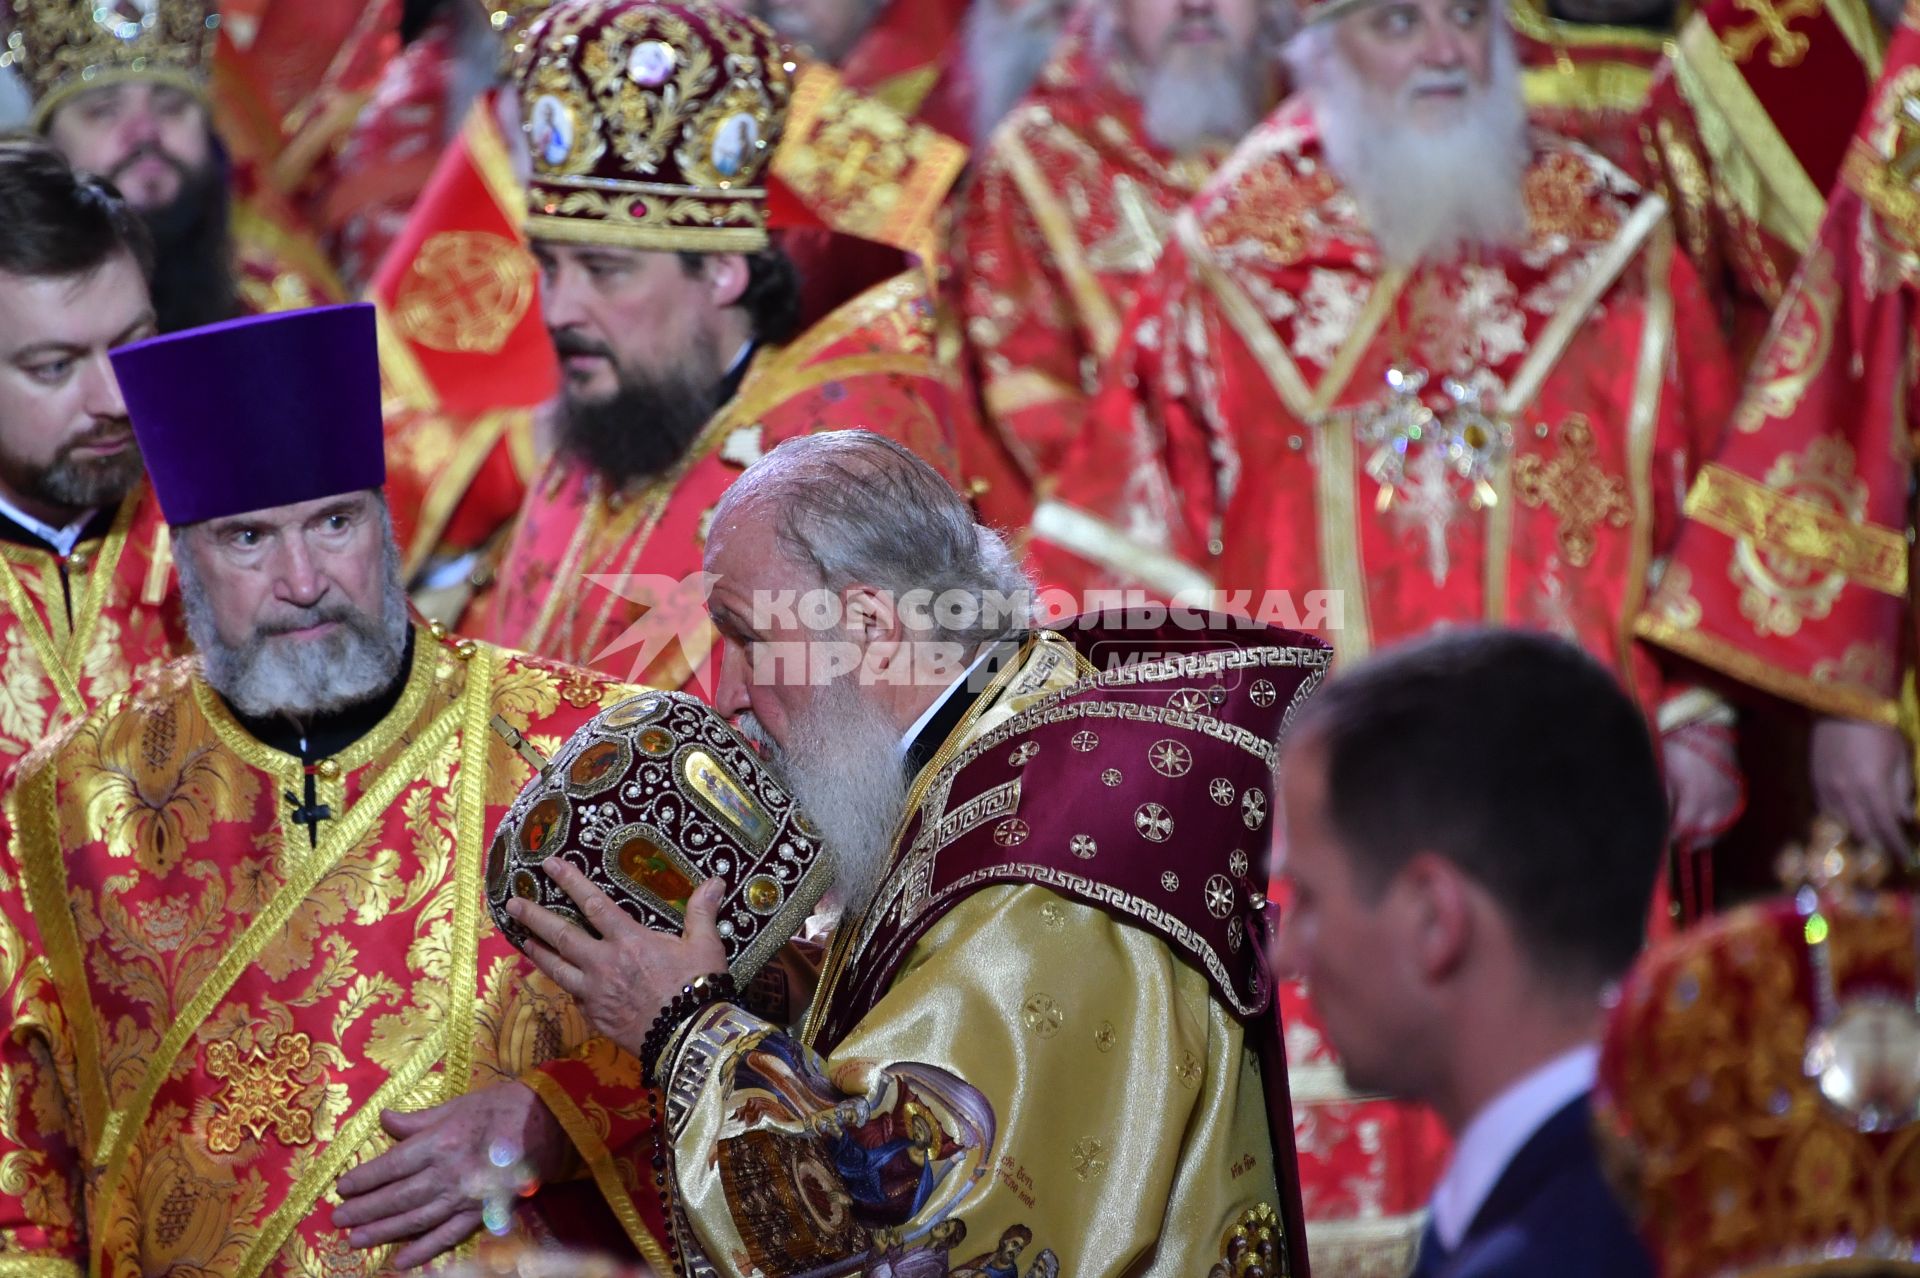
702,991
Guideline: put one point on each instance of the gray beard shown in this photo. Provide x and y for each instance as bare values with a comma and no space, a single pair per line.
1006,54
1194,102
842,765
272,675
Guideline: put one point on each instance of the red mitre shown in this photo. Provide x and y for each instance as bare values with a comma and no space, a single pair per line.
1760,1089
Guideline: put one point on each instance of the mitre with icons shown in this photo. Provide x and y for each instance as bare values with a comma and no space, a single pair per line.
649,800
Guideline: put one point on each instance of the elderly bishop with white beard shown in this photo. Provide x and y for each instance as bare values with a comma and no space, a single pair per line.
1404,350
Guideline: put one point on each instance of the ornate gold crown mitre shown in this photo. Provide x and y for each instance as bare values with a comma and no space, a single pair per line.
1760,1086
651,125
66,46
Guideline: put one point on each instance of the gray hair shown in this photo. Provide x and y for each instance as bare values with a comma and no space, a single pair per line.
860,509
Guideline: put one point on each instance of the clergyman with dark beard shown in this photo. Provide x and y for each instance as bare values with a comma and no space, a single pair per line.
85,598
122,94
674,318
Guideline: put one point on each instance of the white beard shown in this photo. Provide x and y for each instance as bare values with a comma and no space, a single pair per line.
842,764
1427,190
1006,52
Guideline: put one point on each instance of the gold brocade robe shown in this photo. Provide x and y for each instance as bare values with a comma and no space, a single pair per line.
74,632
1041,1088
207,1010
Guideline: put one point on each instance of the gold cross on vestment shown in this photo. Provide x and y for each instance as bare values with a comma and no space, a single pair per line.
1769,25
1577,489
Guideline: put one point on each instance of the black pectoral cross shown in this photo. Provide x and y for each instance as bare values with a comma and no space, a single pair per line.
310,814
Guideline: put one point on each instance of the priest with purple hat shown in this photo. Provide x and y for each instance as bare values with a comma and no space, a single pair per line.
241,923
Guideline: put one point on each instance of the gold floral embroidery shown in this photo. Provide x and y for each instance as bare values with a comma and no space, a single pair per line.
154,782
1785,46
1576,489
1869,664
1561,203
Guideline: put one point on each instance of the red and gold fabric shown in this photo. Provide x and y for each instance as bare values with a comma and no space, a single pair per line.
1587,81
1791,573
74,632
1744,134
913,58
278,66
1245,441
1588,382
382,162
912,61
464,357
278,264
1066,216
577,546
207,1009
1757,1091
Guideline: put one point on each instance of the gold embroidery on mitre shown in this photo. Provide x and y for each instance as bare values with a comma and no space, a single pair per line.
65,46
1581,494
262,1091
466,292
1254,1243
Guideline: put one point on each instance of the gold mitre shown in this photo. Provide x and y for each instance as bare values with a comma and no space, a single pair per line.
64,47
651,125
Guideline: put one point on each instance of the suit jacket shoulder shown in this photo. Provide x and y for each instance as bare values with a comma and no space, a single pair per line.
1552,1213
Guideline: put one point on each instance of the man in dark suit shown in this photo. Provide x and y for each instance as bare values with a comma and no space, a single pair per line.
1474,824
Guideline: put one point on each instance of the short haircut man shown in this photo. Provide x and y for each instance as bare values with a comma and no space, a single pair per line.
73,507
1474,823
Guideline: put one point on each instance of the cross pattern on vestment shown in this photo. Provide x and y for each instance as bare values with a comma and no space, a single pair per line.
1574,486
1769,25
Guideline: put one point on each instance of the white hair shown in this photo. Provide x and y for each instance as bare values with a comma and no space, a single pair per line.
1430,184
861,509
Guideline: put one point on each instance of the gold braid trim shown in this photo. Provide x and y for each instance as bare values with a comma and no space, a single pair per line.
1643,424
469,850
599,1160
37,1267
1842,700
1864,553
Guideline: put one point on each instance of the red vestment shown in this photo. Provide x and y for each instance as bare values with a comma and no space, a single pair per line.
1066,217
1791,572
75,631
1745,129
1587,81
1247,439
